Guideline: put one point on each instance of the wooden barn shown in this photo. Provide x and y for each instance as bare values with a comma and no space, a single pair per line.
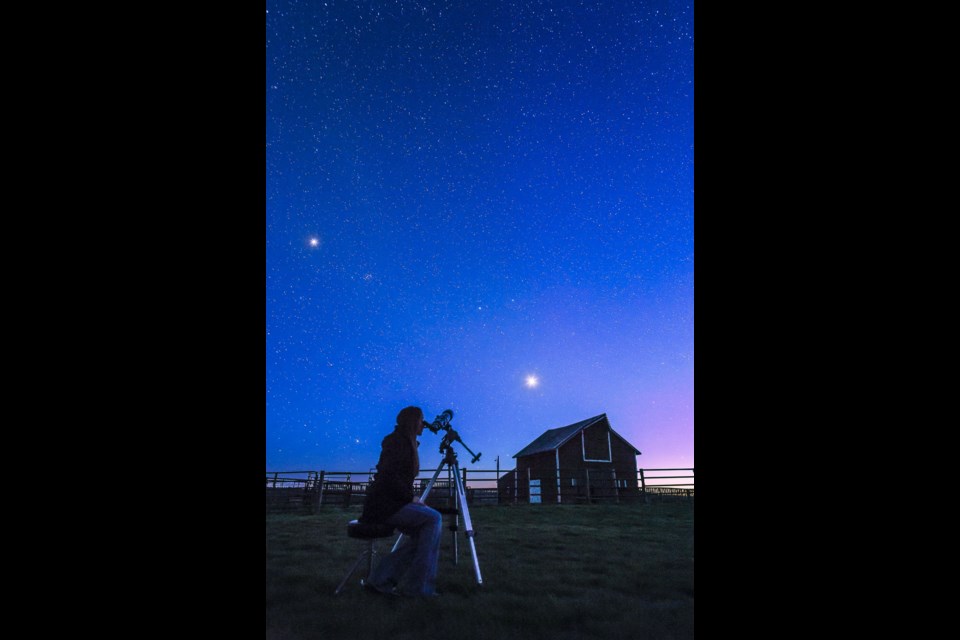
583,462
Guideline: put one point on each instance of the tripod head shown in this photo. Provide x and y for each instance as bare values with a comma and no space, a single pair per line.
442,422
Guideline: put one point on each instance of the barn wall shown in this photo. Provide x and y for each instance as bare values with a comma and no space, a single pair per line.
571,456
603,482
506,488
624,456
625,461
574,476
542,466
595,441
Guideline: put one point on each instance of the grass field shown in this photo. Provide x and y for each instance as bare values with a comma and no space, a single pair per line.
552,572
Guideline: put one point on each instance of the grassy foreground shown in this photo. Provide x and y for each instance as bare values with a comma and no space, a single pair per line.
554,572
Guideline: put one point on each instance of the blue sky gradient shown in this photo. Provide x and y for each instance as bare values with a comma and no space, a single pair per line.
462,195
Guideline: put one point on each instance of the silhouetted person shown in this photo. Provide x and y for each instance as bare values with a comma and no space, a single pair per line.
412,568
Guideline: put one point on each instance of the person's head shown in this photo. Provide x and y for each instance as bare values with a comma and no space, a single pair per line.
410,421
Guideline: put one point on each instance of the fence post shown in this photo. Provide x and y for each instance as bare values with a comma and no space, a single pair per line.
275,480
318,494
643,486
589,501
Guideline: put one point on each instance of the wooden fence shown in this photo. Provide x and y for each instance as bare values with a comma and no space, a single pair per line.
308,491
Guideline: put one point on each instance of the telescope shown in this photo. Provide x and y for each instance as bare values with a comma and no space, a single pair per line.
442,422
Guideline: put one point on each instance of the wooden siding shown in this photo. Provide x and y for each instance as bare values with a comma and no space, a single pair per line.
594,442
543,467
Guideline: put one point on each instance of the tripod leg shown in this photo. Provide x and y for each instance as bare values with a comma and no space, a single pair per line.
468,524
456,516
370,556
454,529
363,556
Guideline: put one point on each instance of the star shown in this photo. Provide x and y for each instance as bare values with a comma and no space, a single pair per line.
314,242
532,381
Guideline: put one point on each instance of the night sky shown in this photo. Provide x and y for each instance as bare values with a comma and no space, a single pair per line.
462,196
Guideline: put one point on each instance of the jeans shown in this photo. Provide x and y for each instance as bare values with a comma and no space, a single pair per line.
413,566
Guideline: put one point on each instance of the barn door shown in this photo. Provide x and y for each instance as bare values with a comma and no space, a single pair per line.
535,491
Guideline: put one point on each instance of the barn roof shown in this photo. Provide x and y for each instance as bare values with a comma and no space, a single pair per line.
554,438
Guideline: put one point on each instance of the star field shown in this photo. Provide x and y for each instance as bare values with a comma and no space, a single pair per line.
463,198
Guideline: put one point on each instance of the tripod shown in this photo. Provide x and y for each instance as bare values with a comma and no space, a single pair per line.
450,460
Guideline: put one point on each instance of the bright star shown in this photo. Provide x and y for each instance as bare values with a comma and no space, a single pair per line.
314,242
532,381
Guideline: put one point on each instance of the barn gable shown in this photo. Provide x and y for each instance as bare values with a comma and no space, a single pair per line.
553,439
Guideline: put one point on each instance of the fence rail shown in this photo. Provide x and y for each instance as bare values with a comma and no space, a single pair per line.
308,491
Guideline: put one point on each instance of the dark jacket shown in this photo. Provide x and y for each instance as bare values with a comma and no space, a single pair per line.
392,485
